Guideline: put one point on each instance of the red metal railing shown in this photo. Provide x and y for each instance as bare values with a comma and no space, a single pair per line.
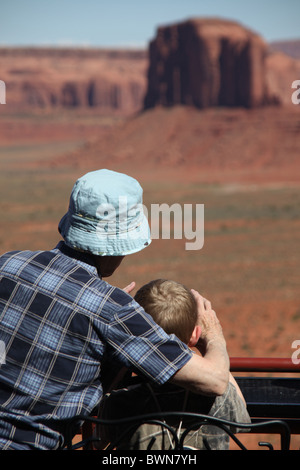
263,364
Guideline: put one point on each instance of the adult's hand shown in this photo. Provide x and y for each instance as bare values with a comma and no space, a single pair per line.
207,373
129,288
207,319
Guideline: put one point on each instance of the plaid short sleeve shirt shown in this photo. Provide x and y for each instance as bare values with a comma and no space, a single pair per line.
60,324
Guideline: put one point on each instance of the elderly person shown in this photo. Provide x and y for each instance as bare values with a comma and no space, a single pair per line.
66,330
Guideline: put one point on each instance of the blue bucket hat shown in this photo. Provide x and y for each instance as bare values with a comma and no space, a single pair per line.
105,215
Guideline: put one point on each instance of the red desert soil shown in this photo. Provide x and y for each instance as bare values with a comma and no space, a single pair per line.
242,164
214,145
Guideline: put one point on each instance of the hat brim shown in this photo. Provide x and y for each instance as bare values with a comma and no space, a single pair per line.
98,243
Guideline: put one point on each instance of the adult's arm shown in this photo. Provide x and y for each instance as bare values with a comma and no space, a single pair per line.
209,373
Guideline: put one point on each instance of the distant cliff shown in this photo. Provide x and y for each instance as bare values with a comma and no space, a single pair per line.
111,80
291,48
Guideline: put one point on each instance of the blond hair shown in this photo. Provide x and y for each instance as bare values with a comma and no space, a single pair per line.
171,305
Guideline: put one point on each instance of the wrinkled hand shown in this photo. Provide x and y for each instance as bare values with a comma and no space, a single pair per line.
129,288
207,319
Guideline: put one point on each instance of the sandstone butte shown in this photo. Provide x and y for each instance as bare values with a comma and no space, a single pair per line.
214,62
44,78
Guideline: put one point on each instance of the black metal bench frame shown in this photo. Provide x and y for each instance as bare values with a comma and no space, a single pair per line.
198,420
270,413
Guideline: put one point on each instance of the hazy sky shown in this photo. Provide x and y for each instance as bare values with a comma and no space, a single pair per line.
133,23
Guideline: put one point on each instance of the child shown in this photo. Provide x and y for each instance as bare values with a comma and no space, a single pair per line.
174,308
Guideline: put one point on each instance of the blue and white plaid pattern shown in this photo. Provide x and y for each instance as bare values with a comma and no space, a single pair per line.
61,324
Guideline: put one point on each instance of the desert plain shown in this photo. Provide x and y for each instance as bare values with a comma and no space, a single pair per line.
249,264
242,164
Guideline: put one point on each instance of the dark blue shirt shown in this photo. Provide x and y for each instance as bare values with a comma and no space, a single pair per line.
60,324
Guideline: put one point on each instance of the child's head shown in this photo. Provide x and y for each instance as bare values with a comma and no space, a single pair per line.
172,306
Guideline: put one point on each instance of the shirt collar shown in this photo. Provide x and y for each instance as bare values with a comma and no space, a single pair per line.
85,259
